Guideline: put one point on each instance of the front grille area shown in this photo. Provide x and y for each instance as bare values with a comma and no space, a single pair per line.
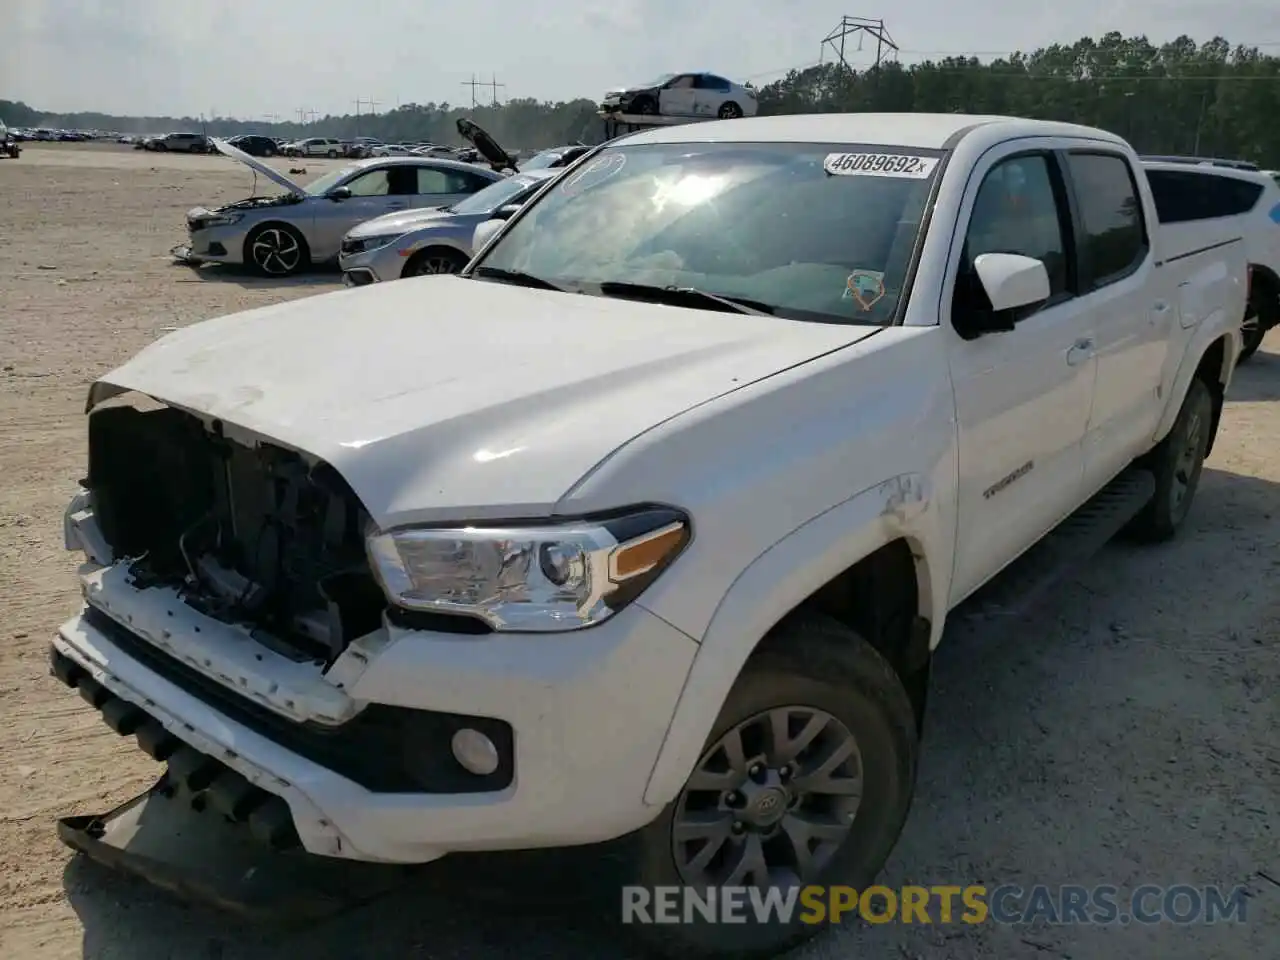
253,535
385,749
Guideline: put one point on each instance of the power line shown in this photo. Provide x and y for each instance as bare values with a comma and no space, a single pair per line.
493,86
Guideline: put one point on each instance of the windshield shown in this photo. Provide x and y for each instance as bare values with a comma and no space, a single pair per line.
543,160
814,231
493,196
322,185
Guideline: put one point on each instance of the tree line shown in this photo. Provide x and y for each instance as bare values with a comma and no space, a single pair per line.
1210,99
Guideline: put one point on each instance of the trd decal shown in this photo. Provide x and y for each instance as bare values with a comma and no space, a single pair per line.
1011,479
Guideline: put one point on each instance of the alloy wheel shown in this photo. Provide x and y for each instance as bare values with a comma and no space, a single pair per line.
276,252
770,802
429,266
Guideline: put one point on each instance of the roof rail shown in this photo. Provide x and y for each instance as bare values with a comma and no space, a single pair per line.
1201,161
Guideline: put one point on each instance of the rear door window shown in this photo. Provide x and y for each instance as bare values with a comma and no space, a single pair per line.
1114,241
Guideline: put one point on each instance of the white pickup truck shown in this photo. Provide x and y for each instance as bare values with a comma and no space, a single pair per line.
647,524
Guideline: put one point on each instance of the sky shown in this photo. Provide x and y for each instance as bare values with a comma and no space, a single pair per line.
255,59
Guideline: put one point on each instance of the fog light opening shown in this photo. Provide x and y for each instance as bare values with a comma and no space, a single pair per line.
476,752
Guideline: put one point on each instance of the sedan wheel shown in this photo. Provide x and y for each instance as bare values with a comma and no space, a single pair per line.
276,251
434,262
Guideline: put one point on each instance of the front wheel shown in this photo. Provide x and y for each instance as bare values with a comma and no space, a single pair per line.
1177,463
433,261
806,778
645,106
276,250
332,154
729,111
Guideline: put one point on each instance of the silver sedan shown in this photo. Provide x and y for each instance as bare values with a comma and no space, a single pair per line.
430,241
280,235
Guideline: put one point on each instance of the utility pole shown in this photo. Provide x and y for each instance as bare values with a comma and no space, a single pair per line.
473,83
371,104
493,85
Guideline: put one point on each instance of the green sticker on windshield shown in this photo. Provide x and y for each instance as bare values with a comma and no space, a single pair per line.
866,287
594,173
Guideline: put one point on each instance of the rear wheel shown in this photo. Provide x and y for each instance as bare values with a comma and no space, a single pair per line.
1263,313
1177,464
806,778
433,261
276,250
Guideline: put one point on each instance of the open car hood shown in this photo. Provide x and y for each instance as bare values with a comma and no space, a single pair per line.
235,153
488,147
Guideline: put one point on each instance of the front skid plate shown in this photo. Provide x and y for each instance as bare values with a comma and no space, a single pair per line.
204,857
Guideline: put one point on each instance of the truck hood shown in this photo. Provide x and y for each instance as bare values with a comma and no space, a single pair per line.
397,222
235,153
447,398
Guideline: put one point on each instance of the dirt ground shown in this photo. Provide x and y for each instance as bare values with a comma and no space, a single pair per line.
1130,735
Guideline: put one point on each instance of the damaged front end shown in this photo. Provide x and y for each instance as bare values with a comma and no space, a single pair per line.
245,532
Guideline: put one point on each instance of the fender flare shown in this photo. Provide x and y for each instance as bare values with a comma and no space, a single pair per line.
773,585
1214,328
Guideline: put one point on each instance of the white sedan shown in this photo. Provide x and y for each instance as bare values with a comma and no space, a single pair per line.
390,150
684,95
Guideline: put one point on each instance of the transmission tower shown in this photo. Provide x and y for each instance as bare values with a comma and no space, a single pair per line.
863,29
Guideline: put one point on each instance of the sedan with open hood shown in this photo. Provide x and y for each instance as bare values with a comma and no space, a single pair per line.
431,241
282,234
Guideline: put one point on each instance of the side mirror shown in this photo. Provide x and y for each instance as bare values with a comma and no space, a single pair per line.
484,233
1001,289
1012,281
339,193
505,212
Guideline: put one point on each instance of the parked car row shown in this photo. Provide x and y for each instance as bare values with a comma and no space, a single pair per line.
382,217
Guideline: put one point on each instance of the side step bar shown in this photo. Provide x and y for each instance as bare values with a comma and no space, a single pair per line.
1025,582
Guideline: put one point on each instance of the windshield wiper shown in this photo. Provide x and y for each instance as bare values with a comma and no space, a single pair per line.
517,277
686,297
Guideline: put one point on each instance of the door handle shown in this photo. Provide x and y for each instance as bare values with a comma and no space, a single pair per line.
1080,351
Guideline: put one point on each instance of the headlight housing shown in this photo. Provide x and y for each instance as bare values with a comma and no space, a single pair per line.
547,578
365,244
221,220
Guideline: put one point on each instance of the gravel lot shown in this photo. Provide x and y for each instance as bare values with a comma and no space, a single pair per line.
1129,735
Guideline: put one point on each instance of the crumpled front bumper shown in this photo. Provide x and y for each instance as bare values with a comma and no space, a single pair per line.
589,711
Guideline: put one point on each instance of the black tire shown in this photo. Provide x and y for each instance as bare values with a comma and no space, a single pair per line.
332,154
729,111
444,260
289,258
1177,463
1262,314
645,105
809,662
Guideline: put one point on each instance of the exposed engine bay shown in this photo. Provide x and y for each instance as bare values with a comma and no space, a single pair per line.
254,535
197,217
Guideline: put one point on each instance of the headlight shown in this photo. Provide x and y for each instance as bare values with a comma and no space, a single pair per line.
221,220
365,244
537,579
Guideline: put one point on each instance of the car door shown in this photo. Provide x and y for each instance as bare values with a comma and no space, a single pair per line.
676,99
1022,395
440,187
372,195
709,93
1135,317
